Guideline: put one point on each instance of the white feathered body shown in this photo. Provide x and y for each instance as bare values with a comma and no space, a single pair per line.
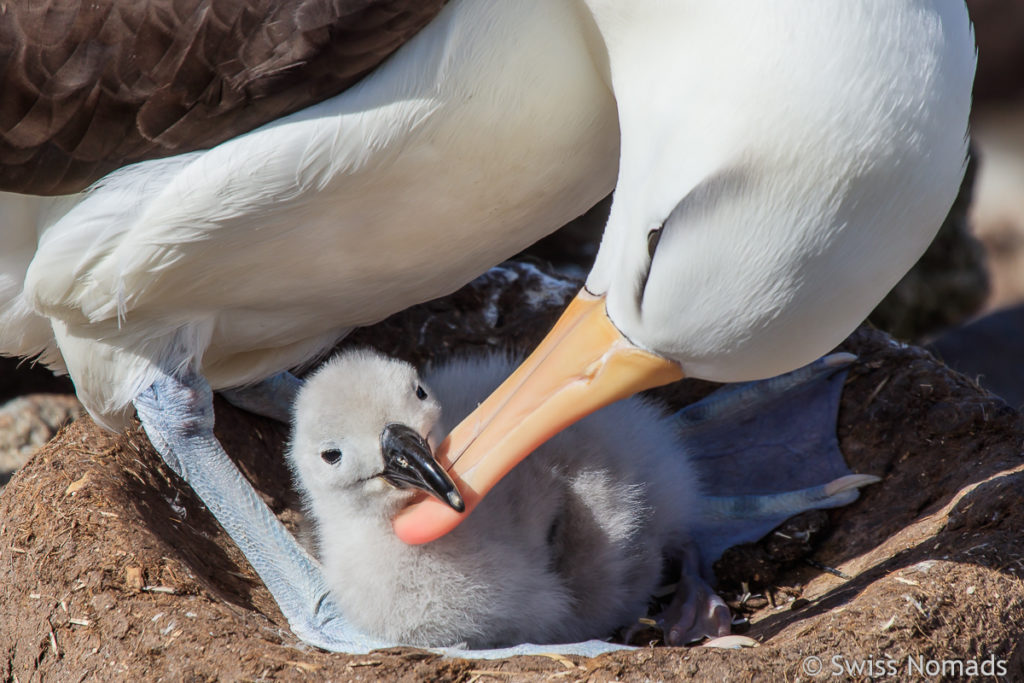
800,162
797,157
489,129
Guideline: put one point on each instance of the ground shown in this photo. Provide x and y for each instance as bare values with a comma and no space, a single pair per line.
111,569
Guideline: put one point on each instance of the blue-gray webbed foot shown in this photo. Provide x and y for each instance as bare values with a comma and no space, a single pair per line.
177,414
766,451
273,397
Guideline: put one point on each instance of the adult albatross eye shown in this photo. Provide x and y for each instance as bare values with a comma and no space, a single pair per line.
331,455
653,237
420,393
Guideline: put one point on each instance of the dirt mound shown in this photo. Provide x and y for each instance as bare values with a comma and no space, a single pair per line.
111,569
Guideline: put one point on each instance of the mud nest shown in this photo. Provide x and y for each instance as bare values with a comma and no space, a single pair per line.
111,569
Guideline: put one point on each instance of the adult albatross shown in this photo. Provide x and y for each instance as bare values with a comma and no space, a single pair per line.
777,167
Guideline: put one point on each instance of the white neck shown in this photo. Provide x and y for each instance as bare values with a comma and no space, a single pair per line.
806,152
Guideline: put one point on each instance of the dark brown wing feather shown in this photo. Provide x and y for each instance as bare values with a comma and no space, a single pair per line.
89,86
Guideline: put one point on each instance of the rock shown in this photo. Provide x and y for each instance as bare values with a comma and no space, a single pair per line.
989,350
109,566
28,422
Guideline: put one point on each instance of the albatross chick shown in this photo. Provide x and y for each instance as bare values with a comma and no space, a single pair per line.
569,546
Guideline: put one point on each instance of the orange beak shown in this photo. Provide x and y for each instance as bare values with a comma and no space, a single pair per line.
583,364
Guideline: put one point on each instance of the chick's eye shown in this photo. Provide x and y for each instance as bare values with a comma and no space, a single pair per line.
331,455
420,393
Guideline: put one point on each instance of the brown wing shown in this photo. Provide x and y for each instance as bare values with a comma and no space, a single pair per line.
87,86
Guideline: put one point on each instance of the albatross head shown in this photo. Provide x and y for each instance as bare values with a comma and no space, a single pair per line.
362,428
782,165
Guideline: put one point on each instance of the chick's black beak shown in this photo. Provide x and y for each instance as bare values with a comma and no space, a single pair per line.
408,462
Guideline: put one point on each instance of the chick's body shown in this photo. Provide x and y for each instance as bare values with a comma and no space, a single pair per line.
567,547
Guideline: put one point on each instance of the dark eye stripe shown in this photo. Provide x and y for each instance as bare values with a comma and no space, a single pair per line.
653,237
331,455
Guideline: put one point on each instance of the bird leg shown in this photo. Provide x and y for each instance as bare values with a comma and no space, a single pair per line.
177,414
273,397
696,612
766,451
